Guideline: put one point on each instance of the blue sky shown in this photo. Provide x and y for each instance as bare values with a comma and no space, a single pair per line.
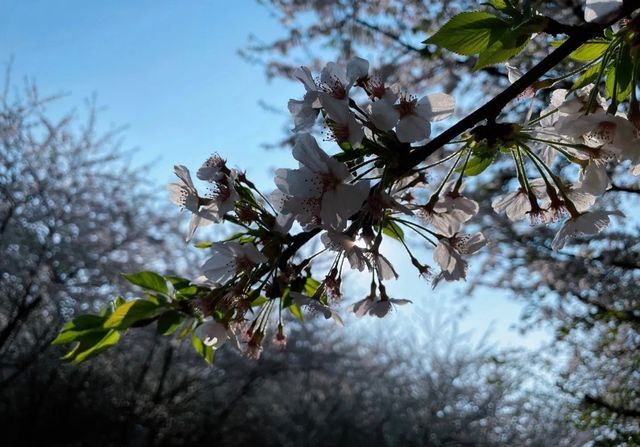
170,71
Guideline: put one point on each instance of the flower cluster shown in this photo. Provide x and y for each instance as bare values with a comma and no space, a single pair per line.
355,198
351,201
386,180
577,127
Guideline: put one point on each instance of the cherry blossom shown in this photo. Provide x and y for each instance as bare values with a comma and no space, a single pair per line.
337,80
449,255
411,117
319,192
449,212
517,204
306,111
215,334
343,125
213,169
345,244
204,211
606,137
376,306
230,258
381,265
314,305
590,222
600,11
332,94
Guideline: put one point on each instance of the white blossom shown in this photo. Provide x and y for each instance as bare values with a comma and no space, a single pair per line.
343,126
449,212
184,194
345,244
517,204
319,192
411,117
306,111
314,305
588,223
449,255
213,169
376,306
381,265
230,258
600,11
215,334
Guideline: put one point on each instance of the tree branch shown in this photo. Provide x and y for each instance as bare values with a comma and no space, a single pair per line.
492,109
580,34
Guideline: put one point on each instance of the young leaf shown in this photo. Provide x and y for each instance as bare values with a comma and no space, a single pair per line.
295,310
206,352
169,321
79,327
149,281
619,76
91,345
469,33
508,45
476,165
587,77
129,313
591,50
393,230
588,51
259,301
311,286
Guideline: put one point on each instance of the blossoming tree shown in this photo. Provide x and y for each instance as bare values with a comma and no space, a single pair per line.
388,177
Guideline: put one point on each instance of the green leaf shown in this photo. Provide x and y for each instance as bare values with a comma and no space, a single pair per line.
591,50
469,33
183,286
503,6
393,230
149,281
311,286
119,301
295,310
203,244
178,282
587,77
510,44
78,328
169,321
259,301
588,51
498,4
620,73
129,313
476,165
206,352
91,345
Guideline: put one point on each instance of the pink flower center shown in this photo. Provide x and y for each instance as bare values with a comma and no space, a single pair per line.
603,134
339,132
375,87
336,88
407,105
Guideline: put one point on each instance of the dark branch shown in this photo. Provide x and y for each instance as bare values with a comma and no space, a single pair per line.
599,402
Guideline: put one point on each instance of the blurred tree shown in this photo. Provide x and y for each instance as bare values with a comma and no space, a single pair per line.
324,389
74,214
